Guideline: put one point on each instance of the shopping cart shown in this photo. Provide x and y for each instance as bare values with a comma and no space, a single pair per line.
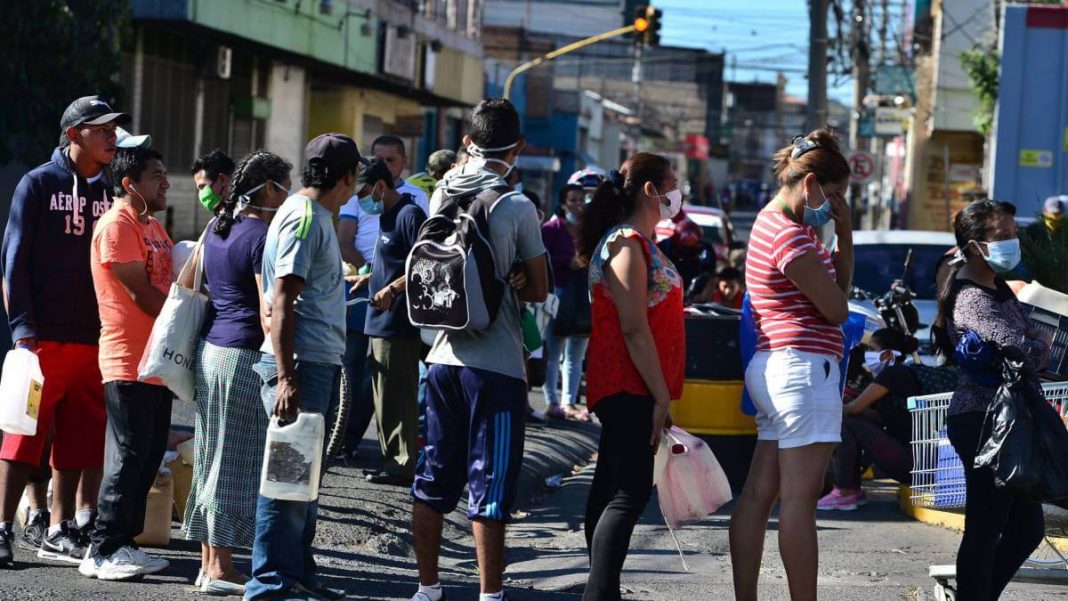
938,483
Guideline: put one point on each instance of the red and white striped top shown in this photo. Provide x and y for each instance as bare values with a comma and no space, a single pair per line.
784,316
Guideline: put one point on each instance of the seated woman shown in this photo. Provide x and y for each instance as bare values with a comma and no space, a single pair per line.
877,422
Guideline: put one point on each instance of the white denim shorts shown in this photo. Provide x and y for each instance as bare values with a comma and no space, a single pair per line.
797,396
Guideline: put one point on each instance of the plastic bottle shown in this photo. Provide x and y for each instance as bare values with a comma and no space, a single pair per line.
20,392
293,458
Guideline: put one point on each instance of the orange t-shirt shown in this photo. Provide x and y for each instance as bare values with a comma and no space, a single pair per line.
120,237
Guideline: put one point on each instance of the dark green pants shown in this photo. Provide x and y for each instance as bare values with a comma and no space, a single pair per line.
395,382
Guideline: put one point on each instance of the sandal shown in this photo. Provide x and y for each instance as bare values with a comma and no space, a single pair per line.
578,415
556,411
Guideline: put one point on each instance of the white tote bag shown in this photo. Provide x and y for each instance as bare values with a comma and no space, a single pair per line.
172,346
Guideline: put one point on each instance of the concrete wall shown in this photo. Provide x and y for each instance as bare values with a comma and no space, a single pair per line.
959,26
287,126
579,18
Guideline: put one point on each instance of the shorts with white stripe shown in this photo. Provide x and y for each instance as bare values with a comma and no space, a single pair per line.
475,426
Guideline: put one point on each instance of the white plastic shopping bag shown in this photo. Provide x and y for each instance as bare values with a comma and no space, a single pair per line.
690,484
172,345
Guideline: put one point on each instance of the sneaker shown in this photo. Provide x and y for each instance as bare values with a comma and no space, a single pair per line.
64,545
151,565
421,596
90,565
836,500
120,565
33,533
7,554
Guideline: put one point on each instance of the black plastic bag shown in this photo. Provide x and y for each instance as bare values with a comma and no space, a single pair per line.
1028,444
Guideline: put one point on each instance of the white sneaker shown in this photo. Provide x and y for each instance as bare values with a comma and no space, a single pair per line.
120,565
90,565
150,564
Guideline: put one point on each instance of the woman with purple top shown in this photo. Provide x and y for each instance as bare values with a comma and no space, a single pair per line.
570,331
1001,529
231,426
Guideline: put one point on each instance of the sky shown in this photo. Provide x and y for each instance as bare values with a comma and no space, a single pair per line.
760,35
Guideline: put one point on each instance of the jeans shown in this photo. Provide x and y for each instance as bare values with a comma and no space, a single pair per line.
573,349
622,485
1000,528
363,408
139,420
886,452
282,553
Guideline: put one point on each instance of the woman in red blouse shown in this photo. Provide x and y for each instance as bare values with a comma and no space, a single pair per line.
637,306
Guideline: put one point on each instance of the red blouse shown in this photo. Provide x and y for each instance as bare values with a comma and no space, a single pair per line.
610,369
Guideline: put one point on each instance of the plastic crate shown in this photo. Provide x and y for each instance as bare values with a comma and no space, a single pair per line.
1057,326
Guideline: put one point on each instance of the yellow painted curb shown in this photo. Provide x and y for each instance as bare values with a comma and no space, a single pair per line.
954,520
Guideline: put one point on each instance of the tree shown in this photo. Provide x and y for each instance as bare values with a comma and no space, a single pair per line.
981,66
54,51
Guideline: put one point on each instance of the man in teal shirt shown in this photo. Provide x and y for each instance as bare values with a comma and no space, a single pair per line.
303,284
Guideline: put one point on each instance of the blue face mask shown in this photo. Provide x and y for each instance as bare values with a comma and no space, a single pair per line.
369,205
820,215
1004,255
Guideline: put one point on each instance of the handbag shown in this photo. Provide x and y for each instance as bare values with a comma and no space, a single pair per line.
171,349
573,315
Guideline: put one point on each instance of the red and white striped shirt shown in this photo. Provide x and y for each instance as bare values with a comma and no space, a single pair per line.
784,316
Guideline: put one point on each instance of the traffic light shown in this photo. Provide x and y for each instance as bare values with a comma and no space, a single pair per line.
652,33
641,23
647,25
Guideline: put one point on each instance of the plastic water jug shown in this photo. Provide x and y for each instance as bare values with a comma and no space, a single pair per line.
20,392
293,458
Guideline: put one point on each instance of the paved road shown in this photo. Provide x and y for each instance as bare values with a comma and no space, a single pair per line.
364,545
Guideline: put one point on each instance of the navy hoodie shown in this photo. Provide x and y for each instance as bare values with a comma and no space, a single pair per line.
48,284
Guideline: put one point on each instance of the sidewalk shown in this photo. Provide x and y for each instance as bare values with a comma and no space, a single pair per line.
364,542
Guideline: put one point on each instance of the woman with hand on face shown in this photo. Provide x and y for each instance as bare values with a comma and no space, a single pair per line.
798,293
231,426
637,352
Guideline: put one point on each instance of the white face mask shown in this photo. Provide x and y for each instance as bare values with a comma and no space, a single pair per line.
673,205
873,361
480,153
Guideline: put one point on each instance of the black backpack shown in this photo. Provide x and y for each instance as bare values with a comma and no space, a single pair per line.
451,274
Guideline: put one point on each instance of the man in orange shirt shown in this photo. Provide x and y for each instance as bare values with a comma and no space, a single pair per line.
131,263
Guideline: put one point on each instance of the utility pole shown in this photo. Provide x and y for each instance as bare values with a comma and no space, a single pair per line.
861,53
817,64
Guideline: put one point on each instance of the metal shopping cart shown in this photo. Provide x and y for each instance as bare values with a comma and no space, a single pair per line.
938,483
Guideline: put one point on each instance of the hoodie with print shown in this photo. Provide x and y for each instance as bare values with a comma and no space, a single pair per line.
48,285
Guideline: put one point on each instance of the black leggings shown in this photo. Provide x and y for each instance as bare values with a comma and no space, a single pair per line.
1000,529
622,485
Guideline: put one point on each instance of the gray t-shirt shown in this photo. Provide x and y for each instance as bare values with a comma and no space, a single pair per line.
516,236
301,241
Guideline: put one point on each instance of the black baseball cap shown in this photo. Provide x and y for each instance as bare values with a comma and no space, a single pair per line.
336,152
90,110
376,171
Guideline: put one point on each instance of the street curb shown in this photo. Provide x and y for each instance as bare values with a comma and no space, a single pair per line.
554,449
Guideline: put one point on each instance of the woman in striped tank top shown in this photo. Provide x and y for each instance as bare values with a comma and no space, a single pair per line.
798,291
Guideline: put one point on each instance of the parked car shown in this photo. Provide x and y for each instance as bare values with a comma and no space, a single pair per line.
879,260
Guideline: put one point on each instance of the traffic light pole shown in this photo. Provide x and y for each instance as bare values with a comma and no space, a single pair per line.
636,79
527,66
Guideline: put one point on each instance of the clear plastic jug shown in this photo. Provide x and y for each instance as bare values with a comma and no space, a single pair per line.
293,458
20,392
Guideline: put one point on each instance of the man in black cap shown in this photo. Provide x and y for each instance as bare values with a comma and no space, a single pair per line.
302,282
52,311
395,342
